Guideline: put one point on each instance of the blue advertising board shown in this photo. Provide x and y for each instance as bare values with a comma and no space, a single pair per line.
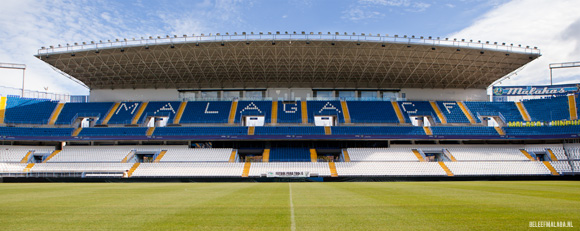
540,90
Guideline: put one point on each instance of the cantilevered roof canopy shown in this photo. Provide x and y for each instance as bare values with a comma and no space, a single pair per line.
285,61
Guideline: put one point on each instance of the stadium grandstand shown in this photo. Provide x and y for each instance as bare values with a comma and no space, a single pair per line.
266,106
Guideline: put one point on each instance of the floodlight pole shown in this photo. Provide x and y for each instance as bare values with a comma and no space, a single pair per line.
19,67
23,76
551,76
562,65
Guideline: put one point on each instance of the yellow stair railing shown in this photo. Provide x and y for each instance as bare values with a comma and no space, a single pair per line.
345,112
445,168
128,156
28,167
313,155
2,109
346,156
247,167
572,107
55,113
500,131
26,157
523,111
428,131
466,112
111,113
160,156
179,113
232,117
133,168
274,119
150,131
418,155
233,156
304,112
333,172
77,131
398,111
51,156
527,154
139,113
438,112
552,156
266,155
551,168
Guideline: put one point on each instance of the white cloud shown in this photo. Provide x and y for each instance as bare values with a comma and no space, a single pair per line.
357,14
552,26
370,9
27,25
419,7
387,2
106,16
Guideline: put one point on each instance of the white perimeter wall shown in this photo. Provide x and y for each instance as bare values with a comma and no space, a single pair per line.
289,93
107,95
453,94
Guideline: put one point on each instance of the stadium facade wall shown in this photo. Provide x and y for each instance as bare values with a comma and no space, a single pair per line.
116,95
289,93
445,94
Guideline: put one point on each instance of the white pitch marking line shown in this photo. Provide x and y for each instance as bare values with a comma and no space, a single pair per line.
292,220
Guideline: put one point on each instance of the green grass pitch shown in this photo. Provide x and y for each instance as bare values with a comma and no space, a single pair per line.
507,205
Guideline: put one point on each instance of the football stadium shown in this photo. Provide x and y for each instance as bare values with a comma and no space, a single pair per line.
356,112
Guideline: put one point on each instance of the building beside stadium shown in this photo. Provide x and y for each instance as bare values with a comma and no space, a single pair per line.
255,106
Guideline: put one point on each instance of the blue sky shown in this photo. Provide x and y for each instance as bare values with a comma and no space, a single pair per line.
26,25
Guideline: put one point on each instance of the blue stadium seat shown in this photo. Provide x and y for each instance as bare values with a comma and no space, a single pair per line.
200,131
28,111
71,111
311,130
544,130
290,112
372,112
206,112
507,109
160,109
467,131
246,108
23,132
112,131
356,130
419,108
452,112
578,105
125,113
548,109
289,154
322,108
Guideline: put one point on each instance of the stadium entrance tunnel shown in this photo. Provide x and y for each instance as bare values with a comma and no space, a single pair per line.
435,156
540,156
493,121
325,121
145,156
291,151
422,120
329,155
250,154
156,121
86,121
253,121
